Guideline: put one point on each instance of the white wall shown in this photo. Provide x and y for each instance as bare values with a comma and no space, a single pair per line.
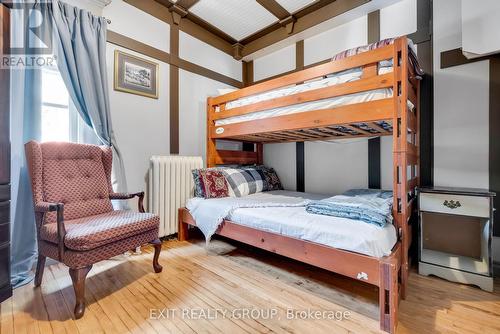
141,124
137,24
460,108
329,43
282,158
193,92
200,53
267,66
337,166
461,95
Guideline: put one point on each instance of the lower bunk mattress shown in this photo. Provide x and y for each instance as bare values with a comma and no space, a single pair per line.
342,233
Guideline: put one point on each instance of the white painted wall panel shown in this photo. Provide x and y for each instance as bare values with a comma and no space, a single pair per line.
460,106
274,63
398,19
193,92
282,158
141,124
331,42
332,168
134,23
200,53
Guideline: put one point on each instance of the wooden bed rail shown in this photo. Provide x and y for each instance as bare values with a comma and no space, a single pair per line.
359,60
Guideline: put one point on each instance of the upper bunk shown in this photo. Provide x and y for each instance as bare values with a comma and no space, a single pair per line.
350,96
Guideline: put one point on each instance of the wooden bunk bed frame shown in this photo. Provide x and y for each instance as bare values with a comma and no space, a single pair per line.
389,273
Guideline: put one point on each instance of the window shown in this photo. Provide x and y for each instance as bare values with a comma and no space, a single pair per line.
55,107
60,120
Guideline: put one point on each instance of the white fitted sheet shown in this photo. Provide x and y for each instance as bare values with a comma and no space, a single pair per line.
335,79
348,234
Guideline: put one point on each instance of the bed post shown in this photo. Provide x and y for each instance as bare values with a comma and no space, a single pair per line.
211,144
388,293
404,153
259,148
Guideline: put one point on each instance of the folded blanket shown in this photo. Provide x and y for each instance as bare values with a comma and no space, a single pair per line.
368,206
210,213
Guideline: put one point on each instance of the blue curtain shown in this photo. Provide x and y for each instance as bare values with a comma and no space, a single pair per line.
81,59
79,43
25,125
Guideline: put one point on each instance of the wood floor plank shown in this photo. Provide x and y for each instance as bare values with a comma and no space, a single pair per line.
121,294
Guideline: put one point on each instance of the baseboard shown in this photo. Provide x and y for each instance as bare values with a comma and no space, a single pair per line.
5,292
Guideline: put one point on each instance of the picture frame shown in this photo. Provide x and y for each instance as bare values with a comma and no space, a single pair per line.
136,75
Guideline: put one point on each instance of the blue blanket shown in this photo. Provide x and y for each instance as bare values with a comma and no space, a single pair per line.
371,206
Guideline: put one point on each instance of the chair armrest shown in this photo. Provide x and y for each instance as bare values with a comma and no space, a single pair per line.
41,208
121,196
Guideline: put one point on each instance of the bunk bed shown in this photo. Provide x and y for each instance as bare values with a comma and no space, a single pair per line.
351,96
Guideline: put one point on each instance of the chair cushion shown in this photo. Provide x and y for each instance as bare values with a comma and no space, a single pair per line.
75,175
94,231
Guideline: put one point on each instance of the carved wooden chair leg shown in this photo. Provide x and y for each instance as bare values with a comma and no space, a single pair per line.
40,265
78,277
156,265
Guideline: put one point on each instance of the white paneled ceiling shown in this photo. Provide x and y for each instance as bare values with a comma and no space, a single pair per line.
238,19
294,5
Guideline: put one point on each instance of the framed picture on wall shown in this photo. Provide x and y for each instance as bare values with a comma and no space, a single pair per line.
135,75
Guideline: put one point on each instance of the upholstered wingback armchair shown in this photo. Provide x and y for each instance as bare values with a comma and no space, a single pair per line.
75,220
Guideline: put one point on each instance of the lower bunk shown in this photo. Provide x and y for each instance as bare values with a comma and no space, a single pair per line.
263,228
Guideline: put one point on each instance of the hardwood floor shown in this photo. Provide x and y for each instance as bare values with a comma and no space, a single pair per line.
125,295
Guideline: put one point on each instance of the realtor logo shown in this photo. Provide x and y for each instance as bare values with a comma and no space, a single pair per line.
30,37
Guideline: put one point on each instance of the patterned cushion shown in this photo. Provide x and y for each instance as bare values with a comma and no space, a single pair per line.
271,179
95,231
198,189
78,259
76,175
213,183
244,181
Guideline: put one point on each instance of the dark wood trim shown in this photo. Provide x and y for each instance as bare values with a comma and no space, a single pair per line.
300,159
274,8
455,57
174,92
374,26
134,45
425,57
374,160
374,170
247,75
424,22
307,21
186,4
299,55
203,71
494,138
300,170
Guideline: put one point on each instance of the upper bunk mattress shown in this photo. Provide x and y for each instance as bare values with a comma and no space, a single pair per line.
331,80
342,233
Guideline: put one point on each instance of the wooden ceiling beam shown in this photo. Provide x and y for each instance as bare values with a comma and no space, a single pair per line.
305,19
186,4
274,8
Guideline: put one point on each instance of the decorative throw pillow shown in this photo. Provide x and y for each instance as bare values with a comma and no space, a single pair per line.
272,181
198,189
243,181
213,183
